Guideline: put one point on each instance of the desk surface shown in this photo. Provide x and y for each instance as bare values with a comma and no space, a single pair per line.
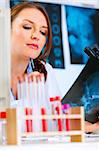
92,138
92,143
58,146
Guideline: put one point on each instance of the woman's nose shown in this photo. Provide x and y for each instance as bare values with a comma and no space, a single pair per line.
35,35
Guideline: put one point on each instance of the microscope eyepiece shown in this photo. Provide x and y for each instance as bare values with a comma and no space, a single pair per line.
92,52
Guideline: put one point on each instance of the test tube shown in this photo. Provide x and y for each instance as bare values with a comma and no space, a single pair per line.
44,122
59,112
43,106
65,109
3,127
35,105
57,109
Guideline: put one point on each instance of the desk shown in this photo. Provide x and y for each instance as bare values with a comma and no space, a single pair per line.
92,138
58,146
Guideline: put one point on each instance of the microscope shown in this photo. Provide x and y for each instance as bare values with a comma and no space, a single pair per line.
88,75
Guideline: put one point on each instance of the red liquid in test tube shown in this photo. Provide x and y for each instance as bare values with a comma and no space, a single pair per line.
56,109
28,111
60,127
59,112
44,121
3,115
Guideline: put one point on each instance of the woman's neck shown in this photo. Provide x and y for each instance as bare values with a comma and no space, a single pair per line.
18,66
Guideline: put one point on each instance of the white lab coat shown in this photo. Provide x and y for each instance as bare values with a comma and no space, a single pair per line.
51,87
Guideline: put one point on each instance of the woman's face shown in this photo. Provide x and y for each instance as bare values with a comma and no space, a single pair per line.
29,32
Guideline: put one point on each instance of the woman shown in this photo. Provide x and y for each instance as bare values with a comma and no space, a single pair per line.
31,40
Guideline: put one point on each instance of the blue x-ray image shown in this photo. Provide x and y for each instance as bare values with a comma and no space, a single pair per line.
83,31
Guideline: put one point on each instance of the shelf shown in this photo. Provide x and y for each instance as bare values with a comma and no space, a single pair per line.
52,133
73,116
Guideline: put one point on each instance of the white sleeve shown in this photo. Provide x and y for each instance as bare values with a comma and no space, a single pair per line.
13,101
51,85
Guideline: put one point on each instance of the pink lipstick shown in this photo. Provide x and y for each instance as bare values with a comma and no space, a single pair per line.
33,46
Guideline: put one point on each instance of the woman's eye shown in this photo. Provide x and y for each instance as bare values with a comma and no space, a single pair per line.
27,27
43,33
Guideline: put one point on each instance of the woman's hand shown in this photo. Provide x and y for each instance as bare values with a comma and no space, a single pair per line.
89,127
35,76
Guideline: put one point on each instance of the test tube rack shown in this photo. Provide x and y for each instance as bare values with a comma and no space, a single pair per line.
14,133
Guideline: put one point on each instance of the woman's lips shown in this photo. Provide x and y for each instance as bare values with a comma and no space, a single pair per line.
33,46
